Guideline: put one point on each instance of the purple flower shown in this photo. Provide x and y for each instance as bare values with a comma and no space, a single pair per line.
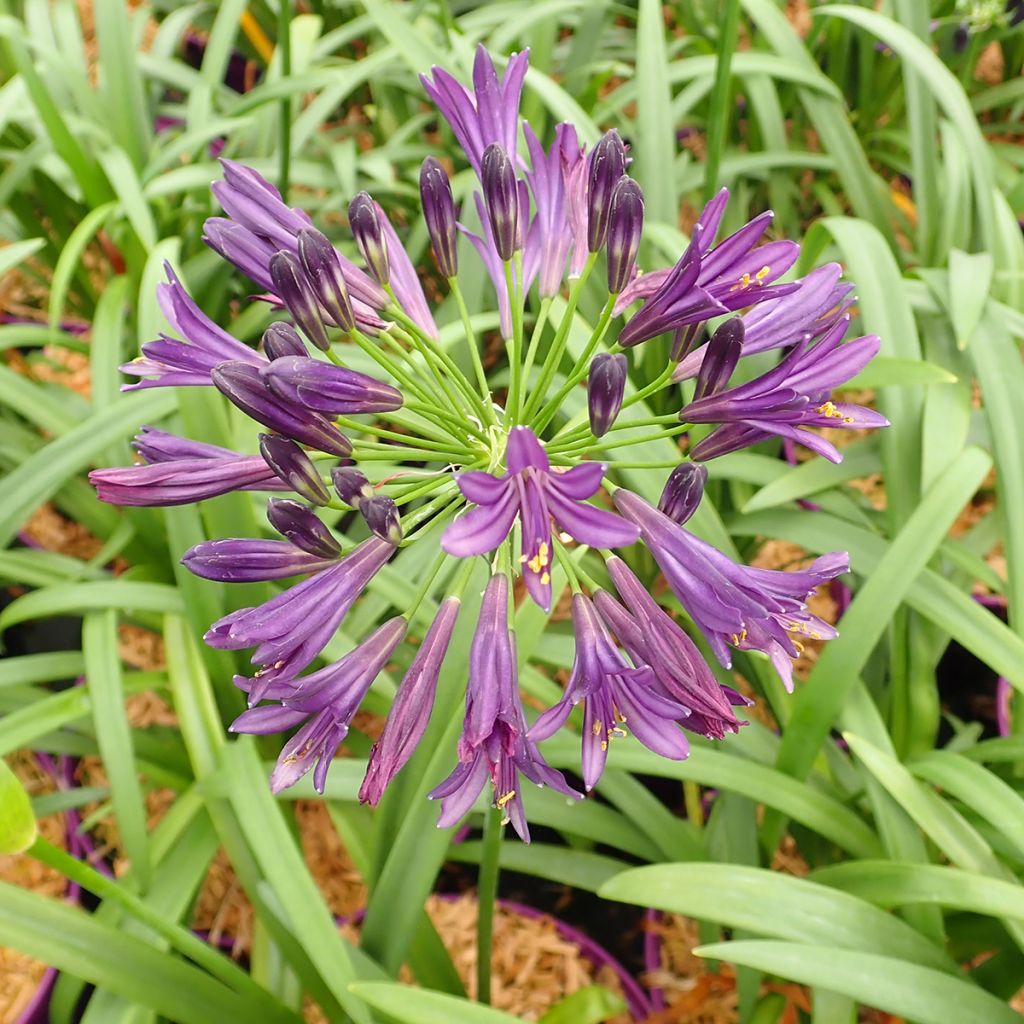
752,609
291,629
173,362
501,198
326,388
615,696
382,517
489,113
322,265
302,526
281,339
537,495
405,281
179,472
549,236
366,220
326,701
807,312
295,290
242,384
655,641
494,743
788,398
410,713
708,280
625,226
247,561
607,165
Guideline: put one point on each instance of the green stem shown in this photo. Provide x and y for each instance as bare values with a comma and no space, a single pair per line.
474,352
625,441
531,351
718,121
284,44
428,583
513,283
555,353
565,561
390,453
579,370
583,436
218,965
441,504
487,894
393,435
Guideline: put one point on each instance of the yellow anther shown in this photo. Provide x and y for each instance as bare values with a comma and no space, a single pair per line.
504,799
829,410
546,578
604,744
738,638
597,729
762,273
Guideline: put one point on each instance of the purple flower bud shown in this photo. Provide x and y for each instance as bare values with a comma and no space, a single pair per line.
243,386
381,515
410,712
683,491
961,37
294,467
295,291
323,268
724,351
326,388
625,224
607,165
281,339
439,213
353,488
365,220
605,388
501,195
302,527
251,561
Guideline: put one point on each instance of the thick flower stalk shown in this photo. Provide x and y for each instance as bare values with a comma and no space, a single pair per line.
504,473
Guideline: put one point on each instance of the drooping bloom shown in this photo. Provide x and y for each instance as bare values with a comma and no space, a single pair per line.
792,396
326,388
494,743
179,471
410,713
248,561
291,629
616,698
752,609
325,700
173,362
709,279
536,495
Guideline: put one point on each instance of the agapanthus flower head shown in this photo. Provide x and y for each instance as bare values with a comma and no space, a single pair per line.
379,446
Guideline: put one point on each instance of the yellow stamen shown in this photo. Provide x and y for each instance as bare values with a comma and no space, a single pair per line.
504,799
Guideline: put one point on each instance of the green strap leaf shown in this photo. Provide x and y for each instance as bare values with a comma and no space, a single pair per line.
421,1006
17,822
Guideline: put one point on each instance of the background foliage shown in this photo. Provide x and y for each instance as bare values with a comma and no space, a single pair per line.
879,141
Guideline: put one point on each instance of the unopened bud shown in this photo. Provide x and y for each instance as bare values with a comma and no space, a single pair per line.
439,213
625,225
607,165
365,220
294,467
353,488
281,339
720,359
683,491
323,268
501,197
381,515
295,291
302,527
606,385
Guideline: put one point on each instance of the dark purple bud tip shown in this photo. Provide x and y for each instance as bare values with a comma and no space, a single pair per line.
302,527
501,196
365,220
381,515
683,491
625,225
323,268
241,383
294,467
606,385
295,291
281,339
607,165
724,351
439,213
353,488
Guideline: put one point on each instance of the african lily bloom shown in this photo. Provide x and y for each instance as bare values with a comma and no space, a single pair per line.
396,471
